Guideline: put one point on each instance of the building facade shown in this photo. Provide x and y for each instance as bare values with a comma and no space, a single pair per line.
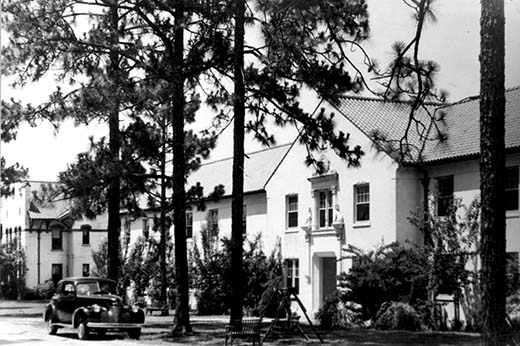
54,244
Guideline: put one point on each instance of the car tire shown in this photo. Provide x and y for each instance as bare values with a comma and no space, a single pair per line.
51,329
134,333
83,329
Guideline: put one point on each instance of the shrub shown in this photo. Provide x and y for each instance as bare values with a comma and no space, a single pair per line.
397,316
513,310
335,313
211,275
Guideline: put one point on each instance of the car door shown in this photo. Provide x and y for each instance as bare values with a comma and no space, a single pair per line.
66,302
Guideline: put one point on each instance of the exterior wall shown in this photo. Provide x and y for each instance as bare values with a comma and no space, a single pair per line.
256,218
408,198
292,177
466,185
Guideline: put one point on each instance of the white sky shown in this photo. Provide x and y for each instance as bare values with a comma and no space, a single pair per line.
453,42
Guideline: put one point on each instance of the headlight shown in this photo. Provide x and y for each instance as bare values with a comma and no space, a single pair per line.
96,308
135,308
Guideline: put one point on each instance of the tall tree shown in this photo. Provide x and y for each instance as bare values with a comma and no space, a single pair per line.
114,187
237,204
492,171
182,318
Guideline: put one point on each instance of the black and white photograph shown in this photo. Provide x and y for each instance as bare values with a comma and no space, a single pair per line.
260,172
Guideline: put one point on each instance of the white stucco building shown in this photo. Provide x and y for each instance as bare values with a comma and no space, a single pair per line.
55,245
316,216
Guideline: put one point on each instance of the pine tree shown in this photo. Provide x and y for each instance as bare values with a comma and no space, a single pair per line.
492,171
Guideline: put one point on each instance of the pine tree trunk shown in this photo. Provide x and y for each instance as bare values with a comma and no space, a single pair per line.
182,318
114,187
237,204
492,170
162,221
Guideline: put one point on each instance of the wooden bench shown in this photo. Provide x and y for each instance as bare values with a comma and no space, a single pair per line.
250,329
158,306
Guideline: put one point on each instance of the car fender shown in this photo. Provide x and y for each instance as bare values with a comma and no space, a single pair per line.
49,310
78,314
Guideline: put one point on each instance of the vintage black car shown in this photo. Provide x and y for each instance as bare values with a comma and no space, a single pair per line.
91,304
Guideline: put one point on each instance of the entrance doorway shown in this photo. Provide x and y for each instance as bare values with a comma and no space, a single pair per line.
328,277
324,279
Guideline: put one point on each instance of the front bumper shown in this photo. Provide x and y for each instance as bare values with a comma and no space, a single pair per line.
113,326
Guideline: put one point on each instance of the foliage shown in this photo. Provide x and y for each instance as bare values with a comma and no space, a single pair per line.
397,316
12,270
211,275
388,273
139,265
336,313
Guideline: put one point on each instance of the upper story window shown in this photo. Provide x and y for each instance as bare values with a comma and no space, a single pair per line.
445,195
292,211
293,274
362,202
85,235
128,227
57,240
244,219
512,188
325,208
189,225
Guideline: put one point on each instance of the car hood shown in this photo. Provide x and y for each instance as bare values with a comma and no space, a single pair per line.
102,299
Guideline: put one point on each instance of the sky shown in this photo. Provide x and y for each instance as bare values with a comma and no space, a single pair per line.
452,41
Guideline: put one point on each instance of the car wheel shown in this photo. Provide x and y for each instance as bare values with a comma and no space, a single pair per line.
51,329
134,333
82,330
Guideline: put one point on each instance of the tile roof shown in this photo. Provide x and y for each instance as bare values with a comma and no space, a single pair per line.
460,123
462,127
46,210
385,119
259,166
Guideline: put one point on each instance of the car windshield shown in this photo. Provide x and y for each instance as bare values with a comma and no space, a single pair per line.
95,287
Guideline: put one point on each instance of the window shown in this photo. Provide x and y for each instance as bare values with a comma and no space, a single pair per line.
57,272
512,273
146,226
445,195
213,222
128,224
292,211
362,202
57,236
85,234
68,288
293,274
244,219
325,210
189,225
85,269
512,188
